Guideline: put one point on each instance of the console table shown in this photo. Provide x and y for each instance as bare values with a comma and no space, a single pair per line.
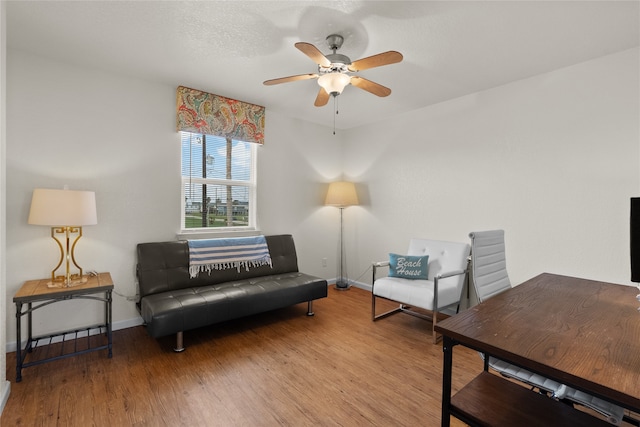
582,333
36,294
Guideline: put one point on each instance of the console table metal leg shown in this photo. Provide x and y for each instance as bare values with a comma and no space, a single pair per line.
29,326
18,342
109,321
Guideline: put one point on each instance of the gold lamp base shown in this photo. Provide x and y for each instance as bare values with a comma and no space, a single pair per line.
61,281
60,235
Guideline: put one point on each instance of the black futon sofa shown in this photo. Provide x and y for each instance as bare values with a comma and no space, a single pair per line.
171,302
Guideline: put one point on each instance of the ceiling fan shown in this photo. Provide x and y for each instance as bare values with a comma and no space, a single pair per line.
333,70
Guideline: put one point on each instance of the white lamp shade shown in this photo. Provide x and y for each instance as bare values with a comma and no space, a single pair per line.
334,82
341,194
62,208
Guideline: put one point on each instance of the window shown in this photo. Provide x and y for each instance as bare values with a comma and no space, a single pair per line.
218,183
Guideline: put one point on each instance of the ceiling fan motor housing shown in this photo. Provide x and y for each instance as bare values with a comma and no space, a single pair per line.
335,41
339,62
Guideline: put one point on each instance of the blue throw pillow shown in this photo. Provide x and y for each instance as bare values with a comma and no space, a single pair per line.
408,267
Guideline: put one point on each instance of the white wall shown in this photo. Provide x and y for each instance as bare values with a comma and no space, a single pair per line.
116,135
295,166
552,160
5,386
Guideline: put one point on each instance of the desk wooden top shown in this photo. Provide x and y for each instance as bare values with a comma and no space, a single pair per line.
37,290
582,333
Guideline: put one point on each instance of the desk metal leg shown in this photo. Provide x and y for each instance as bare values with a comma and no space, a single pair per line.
447,347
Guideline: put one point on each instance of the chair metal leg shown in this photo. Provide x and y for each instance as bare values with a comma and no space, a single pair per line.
434,335
375,316
373,306
406,309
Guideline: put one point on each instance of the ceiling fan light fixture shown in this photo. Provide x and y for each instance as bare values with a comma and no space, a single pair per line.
334,83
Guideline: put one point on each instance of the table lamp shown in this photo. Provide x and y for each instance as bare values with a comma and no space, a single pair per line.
65,211
341,194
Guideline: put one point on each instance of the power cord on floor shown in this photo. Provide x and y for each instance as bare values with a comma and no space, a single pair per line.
134,298
366,270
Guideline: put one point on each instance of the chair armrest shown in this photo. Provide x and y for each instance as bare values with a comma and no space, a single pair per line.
374,267
449,274
443,276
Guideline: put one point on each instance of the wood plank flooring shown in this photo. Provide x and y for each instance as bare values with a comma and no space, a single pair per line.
281,368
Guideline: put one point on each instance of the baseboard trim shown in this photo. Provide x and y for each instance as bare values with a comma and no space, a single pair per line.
365,286
130,323
6,390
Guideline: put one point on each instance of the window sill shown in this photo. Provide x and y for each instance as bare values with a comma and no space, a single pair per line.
213,234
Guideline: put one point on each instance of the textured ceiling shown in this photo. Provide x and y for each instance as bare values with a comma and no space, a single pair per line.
450,48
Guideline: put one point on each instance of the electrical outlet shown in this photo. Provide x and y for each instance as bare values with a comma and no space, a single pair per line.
324,262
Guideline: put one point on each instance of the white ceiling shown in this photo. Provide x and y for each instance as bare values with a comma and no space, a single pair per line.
450,48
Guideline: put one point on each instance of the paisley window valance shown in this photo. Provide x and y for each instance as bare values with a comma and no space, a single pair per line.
206,113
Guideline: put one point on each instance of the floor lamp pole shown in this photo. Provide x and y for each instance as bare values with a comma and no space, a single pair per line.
342,283
341,194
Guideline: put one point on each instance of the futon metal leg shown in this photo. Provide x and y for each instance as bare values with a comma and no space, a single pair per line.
179,344
310,309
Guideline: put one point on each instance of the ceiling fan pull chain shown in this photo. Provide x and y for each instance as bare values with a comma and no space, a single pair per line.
335,107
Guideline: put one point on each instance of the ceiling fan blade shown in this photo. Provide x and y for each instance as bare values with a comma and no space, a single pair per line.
378,60
369,86
290,79
322,98
314,53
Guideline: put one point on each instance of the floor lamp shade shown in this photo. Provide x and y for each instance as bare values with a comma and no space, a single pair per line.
341,194
65,211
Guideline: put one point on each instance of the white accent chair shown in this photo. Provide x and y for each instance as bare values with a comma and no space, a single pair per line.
447,268
489,277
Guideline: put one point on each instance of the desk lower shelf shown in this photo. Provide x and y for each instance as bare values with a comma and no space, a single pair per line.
489,400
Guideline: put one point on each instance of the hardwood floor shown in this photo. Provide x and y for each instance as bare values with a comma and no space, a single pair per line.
278,368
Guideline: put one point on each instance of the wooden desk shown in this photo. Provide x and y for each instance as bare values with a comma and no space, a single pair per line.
37,291
582,333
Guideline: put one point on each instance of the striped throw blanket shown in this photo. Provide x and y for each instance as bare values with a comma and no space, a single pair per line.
220,254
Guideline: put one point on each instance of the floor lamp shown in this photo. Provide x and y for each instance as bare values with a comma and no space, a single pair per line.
341,194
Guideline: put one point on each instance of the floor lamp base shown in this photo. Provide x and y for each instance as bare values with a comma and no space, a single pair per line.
342,285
